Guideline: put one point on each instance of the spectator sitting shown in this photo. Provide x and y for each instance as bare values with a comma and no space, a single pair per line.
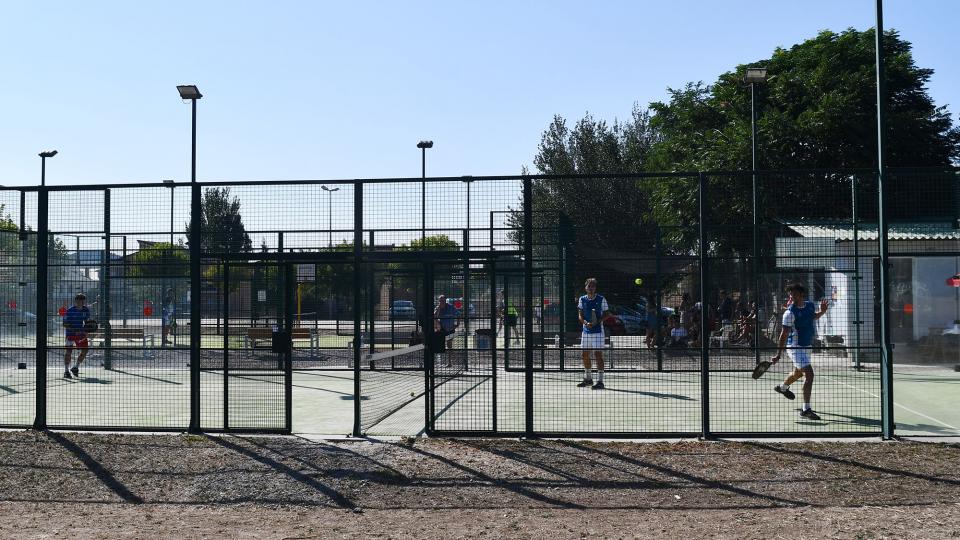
678,334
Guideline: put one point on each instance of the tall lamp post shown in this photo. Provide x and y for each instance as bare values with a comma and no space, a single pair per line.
329,213
192,93
43,165
753,77
423,145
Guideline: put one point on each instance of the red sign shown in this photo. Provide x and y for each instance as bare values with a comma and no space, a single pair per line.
147,308
546,301
62,311
12,304
457,304
908,308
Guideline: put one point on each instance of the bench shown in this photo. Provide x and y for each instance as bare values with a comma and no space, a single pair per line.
133,336
254,337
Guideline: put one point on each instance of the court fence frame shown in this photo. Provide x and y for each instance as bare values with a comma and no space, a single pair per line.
516,231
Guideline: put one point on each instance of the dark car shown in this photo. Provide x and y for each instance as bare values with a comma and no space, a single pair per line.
403,309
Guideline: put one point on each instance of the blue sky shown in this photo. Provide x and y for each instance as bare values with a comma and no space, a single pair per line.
346,89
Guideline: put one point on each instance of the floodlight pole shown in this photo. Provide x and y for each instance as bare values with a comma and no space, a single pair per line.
886,361
423,145
756,221
192,93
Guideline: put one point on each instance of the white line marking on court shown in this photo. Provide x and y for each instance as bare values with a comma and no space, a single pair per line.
908,409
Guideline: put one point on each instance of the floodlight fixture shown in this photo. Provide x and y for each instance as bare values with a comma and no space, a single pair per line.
755,75
189,92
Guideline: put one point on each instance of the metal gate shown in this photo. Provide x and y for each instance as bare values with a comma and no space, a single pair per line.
246,346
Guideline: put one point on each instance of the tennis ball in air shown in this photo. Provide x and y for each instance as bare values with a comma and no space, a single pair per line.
638,281
412,394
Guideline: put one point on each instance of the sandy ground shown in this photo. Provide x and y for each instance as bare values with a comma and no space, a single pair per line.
71,485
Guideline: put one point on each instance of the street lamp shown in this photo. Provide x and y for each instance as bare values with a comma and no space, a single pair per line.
753,77
192,93
329,213
43,165
423,145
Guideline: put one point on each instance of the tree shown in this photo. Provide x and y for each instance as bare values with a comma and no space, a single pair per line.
817,111
221,223
607,213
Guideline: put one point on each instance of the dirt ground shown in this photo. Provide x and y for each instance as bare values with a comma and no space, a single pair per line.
72,485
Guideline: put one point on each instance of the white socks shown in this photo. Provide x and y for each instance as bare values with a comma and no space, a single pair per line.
599,375
586,374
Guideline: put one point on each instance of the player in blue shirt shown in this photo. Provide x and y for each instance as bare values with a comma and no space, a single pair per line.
593,309
73,322
799,330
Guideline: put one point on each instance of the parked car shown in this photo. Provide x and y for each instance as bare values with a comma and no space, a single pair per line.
403,309
636,321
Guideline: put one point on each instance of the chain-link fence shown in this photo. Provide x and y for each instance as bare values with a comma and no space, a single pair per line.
196,306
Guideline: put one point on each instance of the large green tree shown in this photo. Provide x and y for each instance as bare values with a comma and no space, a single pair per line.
816,111
221,224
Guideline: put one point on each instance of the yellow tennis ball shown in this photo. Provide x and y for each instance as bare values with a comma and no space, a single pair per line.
638,281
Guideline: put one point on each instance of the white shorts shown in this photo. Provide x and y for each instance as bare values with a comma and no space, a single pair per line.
800,356
591,341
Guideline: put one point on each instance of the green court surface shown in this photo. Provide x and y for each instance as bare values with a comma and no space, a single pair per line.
927,401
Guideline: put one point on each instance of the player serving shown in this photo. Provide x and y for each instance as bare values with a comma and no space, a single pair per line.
798,332
76,322
593,309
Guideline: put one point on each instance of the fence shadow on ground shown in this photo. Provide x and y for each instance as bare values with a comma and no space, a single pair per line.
470,474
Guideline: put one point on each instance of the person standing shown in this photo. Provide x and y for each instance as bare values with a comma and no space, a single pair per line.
799,330
74,323
444,324
167,316
592,309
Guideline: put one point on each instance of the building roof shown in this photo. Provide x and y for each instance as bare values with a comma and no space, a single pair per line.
868,231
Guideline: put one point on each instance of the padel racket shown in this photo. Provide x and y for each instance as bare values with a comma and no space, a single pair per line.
761,368
90,325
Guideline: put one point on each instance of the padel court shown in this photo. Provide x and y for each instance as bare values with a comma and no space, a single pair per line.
449,307
475,400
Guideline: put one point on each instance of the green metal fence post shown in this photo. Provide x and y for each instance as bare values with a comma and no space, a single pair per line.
357,299
105,304
196,304
528,302
886,360
43,261
704,330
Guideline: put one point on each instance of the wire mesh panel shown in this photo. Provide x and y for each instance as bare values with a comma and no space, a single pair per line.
757,310
117,276
393,352
672,332
18,313
243,374
463,381
601,367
